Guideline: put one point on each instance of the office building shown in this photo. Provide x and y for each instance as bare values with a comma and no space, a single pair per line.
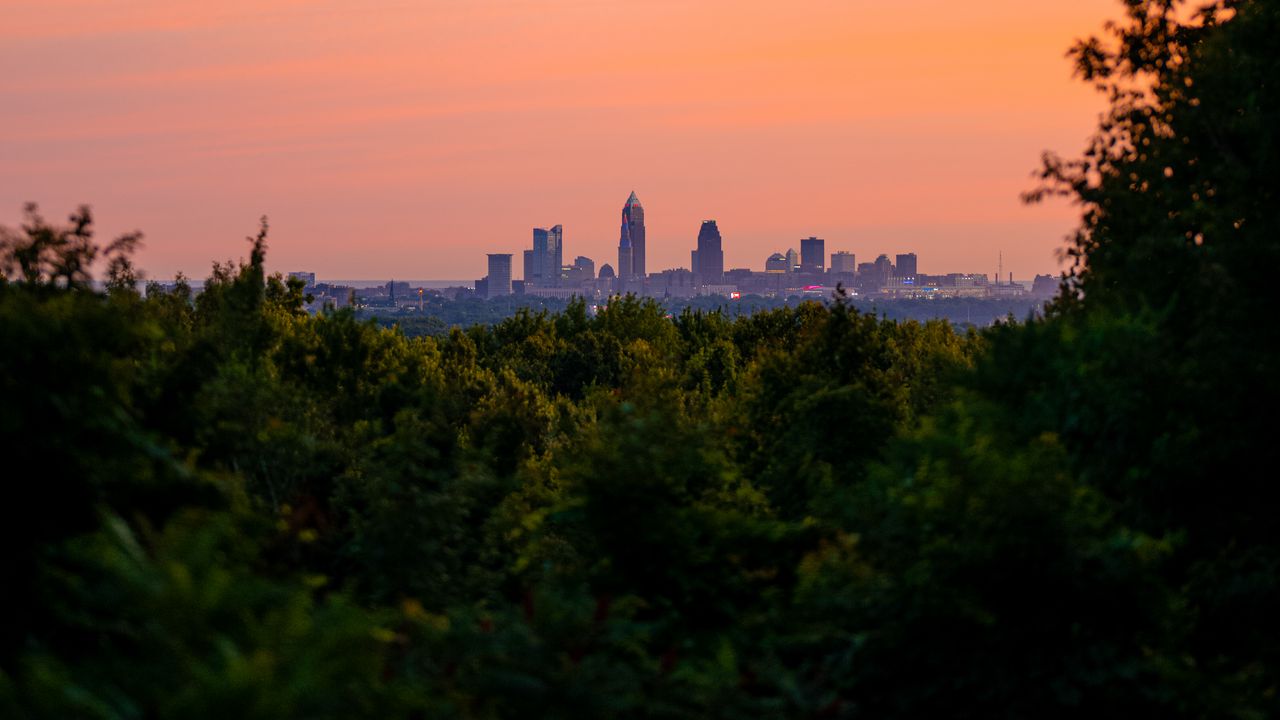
843,263
906,266
777,263
625,255
499,280
530,268
633,217
812,255
883,270
540,252
673,283
555,256
584,268
709,261
793,260
543,264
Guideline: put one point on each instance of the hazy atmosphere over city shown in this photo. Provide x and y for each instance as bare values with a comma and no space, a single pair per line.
664,360
409,138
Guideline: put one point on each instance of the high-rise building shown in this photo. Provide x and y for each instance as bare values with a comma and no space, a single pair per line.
906,267
555,256
812,254
625,255
633,217
585,266
499,279
709,262
843,263
868,277
542,268
530,268
793,260
541,246
884,270
307,277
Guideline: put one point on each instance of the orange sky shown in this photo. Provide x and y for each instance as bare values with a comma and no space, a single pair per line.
409,138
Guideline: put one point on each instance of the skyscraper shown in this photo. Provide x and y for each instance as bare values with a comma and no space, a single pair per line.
709,263
555,256
906,265
548,257
499,280
541,243
812,254
625,255
793,260
884,270
633,217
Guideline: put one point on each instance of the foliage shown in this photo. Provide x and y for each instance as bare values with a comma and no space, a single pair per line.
222,506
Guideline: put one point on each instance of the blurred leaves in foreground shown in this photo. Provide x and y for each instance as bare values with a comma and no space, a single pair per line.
220,506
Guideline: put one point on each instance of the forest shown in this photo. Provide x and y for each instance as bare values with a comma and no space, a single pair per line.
220,506
441,314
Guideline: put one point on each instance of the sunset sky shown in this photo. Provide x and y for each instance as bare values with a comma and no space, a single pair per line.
407,139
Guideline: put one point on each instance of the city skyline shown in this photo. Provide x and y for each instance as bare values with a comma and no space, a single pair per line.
794,273
544,268
428,136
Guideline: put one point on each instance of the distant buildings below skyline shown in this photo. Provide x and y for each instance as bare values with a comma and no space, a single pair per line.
785,273
673,284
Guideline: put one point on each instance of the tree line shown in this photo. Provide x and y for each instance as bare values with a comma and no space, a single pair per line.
221,506
438,315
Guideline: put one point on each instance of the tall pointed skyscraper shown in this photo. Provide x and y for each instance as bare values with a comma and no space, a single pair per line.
633,218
